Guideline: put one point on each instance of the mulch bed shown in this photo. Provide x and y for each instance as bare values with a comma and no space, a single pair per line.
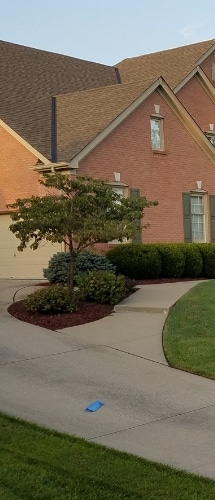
87,313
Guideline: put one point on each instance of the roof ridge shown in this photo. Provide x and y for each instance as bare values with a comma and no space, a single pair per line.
34,49
114,86
212,41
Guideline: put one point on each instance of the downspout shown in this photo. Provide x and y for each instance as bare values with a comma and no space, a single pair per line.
54,130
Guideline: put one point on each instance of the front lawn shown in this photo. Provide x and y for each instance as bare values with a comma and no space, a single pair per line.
37,464
189,331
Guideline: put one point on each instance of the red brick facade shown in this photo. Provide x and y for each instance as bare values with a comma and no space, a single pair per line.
207,66
17,180
198,103
159,176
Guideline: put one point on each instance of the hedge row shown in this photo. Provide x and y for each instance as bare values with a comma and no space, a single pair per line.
164,260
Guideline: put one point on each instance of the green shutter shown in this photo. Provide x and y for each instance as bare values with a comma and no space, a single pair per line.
134,193
137,238
187,218
212,217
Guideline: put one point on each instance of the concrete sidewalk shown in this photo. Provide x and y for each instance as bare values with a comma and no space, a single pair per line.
155,298
149,408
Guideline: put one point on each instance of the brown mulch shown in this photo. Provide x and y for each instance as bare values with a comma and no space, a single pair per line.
87,313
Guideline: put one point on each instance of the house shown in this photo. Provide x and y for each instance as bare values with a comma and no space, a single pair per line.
146,126
28,80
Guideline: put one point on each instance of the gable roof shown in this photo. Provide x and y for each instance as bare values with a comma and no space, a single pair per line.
38,156
202,78
28,79
81,116
85,119
173,64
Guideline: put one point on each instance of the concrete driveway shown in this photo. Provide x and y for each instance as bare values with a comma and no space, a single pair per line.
149,408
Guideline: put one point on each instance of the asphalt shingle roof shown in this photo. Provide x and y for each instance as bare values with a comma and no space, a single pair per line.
81,116
28,79
174,64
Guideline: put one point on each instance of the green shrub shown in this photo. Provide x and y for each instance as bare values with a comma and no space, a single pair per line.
207,251
130,284
193,260
87,262
57,270
136,260
103,287
52,300
172,260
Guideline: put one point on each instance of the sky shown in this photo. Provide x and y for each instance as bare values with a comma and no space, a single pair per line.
106,31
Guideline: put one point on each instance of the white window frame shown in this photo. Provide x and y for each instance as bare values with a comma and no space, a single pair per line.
159,121
213,72
197,215
211,137
124,193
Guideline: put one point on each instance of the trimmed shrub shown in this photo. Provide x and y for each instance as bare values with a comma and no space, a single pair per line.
87,262
172,260
130,284
193,260
57,270
103,287
207,251
52,300
136,260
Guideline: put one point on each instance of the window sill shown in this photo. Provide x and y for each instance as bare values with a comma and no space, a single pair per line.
158,152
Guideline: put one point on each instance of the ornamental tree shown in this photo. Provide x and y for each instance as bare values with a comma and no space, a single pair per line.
78,211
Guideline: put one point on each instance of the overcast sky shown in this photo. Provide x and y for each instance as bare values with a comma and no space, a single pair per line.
106,31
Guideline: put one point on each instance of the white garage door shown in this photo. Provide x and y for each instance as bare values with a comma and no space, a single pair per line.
26,264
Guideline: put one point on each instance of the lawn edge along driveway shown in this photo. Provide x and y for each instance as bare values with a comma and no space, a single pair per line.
189,331
38,463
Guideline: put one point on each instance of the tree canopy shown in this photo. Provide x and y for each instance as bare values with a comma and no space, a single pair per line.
78,211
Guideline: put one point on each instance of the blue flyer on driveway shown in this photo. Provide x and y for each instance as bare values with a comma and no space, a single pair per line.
94,406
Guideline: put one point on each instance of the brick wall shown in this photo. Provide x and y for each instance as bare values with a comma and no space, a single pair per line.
201,107
17,180
207,66
163,177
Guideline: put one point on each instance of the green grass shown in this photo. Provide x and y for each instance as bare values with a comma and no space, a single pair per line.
189,332
38,464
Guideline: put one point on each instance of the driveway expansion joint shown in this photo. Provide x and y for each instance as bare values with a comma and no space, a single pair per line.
136,355
46,355
152,422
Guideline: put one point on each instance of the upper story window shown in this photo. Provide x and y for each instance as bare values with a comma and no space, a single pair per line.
213,72
157,140
211,137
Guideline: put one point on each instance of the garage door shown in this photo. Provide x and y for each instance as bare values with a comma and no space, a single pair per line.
26,264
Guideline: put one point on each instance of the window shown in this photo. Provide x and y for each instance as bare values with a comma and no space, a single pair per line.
156,125
119,191
213,72
197,218
134,193
122,192
211,138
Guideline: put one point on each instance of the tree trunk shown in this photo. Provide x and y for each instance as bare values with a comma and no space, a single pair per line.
71,269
